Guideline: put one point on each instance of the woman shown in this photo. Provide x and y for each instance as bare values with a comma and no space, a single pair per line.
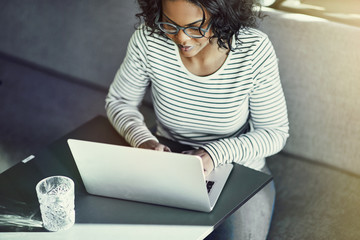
215,86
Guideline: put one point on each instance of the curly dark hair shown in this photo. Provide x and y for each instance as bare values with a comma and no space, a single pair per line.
227,16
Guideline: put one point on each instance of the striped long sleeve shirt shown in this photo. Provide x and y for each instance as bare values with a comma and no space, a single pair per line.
203,111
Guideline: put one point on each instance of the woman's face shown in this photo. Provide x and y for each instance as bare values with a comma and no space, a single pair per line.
186,14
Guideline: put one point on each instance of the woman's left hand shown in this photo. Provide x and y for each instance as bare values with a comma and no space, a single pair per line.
208,163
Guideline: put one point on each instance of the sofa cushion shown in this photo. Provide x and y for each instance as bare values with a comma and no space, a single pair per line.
313,201
37,108
319,68
82,39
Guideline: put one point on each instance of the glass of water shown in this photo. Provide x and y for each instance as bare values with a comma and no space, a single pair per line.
57,202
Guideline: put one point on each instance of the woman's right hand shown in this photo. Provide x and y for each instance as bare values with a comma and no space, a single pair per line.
154,145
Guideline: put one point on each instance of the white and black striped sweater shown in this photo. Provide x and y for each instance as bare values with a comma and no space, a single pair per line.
205,111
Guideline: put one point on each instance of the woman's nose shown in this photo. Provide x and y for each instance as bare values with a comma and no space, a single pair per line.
182,37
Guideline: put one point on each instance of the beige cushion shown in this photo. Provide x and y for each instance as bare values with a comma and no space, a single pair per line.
313,201
319,65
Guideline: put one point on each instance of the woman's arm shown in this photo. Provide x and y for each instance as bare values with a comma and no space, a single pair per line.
127,91
268,115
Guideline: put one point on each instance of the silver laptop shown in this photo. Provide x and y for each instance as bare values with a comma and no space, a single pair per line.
170,179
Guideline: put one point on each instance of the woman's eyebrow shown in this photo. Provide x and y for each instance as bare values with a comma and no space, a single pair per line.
200,20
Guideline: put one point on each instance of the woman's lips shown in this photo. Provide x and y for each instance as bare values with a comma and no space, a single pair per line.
185,48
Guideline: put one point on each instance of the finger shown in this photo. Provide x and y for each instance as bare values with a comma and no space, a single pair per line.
162,148
159,148
186,152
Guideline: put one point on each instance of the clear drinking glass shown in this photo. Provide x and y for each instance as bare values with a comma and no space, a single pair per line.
57,202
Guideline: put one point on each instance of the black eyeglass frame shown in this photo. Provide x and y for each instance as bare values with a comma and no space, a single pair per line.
202,31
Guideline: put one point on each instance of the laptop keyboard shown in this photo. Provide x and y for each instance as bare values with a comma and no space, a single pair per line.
209,185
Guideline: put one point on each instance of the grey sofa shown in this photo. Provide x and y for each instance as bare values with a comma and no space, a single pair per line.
57,60
317,174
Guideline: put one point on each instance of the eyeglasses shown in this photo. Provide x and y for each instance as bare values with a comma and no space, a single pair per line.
171,28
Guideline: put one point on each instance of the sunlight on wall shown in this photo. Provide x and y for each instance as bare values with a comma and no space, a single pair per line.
302,18
298,4
354,16
346,11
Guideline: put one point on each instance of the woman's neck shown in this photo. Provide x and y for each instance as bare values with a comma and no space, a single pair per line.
206,62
